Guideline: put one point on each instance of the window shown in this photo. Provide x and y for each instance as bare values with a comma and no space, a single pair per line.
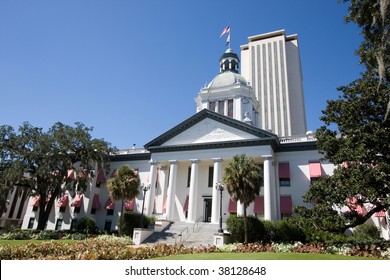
212,106
211,175
189,177
221,107
31,223
73,224
284,182
35,208
58,224
77,209
110,212
62,209
284,174
107,225
230,108
93,211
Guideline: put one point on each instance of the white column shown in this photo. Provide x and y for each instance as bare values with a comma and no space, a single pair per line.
215,201
226,107
277,213
191,218
171,189
151,193
240,208
267,187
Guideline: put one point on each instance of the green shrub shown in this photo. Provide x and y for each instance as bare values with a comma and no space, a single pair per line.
75,236
282,231
366,232
47,235
86,225
235,225
319,236
16,234
132,220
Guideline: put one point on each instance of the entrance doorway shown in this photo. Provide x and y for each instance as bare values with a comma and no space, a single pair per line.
207,202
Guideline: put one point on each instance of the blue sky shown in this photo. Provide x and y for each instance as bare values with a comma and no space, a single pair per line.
132,68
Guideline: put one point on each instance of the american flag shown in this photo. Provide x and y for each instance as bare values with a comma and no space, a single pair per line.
226,30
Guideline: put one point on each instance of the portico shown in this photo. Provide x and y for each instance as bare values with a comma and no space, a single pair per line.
189,172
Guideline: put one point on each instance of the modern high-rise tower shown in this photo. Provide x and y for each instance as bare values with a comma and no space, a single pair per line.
271,63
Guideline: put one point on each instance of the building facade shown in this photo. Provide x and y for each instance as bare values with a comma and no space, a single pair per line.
259,113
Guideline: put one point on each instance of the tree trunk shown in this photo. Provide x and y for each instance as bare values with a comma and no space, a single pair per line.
121,220
245,226
45,208
44,212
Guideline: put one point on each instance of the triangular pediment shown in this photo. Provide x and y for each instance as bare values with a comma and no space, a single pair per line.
207,127
209,131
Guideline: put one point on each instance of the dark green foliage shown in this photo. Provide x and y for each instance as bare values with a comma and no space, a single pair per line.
366,232
360,150
86,225
282,231
16,234
326,237
48,235
235,225
132,220
37,161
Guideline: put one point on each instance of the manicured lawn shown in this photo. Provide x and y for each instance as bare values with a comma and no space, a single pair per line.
261,256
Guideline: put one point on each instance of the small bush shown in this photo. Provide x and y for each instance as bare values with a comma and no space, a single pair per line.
86,225
16,234
235,225
366,232
319,236
75,236
132,220
282,231
47,235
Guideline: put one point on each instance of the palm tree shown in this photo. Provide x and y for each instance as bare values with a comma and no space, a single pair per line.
242,179
123,186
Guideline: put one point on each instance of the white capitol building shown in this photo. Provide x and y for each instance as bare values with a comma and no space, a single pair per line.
259,112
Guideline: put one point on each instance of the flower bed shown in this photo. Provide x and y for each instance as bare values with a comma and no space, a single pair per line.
114,248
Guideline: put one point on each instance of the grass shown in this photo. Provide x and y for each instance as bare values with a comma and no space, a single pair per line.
261,256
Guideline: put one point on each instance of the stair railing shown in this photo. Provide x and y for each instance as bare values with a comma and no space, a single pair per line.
196,224
181,235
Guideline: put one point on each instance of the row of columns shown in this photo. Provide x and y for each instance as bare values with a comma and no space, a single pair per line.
269,192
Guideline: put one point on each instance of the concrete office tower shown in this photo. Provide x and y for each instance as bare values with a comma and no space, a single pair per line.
271,63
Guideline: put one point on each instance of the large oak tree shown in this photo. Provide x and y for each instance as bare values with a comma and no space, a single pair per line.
38,162
360,150
356,135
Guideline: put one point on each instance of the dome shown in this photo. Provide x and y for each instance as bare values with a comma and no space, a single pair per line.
226,79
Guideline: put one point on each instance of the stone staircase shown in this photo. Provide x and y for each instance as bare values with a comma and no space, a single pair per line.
190,235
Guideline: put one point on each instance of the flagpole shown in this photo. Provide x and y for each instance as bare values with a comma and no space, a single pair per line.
229,38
